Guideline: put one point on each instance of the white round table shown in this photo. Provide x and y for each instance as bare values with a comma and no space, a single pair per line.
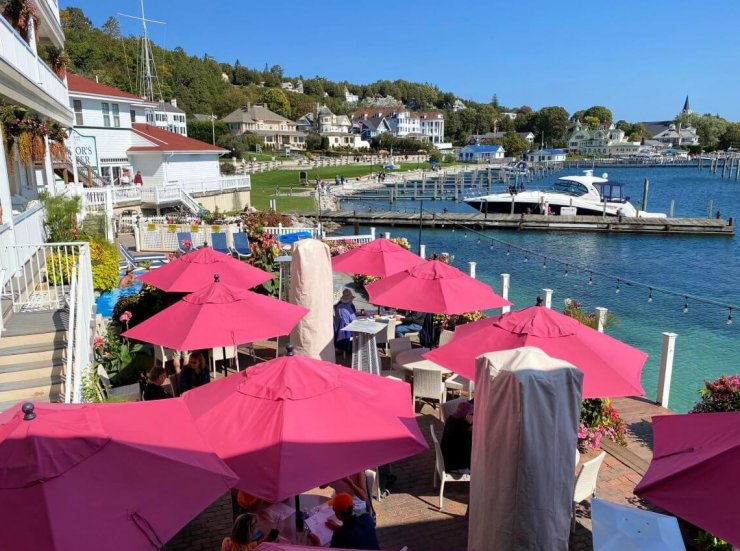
411,359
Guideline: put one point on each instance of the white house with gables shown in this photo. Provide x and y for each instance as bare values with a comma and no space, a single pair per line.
600,142
546,156
480,153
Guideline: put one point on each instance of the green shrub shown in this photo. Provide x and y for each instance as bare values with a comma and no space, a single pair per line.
60,222
104,259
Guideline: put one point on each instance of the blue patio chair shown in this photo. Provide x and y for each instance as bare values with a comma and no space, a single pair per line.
241,245
182,237
218,240
134,262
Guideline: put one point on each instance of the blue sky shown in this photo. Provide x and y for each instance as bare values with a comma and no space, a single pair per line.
640,58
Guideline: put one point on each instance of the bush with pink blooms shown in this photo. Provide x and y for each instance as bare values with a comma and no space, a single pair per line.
720,395
599,420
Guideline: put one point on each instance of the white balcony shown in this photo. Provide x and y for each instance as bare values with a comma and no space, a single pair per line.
26,80
50,27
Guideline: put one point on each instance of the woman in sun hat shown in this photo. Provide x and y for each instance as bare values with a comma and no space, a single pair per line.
344,314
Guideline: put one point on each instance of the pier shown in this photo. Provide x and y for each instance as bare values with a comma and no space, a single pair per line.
538,222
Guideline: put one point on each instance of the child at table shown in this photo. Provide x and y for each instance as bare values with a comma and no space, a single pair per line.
242,535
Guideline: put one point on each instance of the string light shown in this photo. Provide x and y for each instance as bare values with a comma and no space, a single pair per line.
729,317
526,258
466,235
479,241
650,295
508,251
617,288
491,246
685,304
544,262
566,271
590,278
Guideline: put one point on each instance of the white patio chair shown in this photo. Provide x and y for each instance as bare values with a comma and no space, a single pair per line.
585,484
428,384
384,337
445,336
396,347
440,474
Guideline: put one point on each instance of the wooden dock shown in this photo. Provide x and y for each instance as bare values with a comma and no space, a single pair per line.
537,222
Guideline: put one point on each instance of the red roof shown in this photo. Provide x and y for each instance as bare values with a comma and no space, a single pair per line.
84,85
162,140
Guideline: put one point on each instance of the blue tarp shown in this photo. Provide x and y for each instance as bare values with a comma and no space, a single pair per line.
390,166
293,237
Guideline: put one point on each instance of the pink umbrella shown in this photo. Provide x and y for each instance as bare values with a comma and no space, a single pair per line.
380,257
436,288
114,476
293,423
610,367
194,270
218,315
693,474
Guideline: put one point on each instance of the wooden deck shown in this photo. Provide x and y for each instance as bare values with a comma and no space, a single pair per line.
536,222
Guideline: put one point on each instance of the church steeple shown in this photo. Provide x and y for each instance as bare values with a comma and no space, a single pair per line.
686,108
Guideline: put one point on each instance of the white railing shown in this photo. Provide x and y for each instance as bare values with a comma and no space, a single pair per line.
224,183
19,54
359,239
125,194
81,332
279,230
152,236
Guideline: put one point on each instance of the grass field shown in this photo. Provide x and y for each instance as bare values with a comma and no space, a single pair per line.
264,184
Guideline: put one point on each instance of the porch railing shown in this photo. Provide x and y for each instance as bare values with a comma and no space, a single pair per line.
79,333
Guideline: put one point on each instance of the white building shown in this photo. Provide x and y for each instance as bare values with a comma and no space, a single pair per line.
480,153
336,128
424,126
600,142
546,156
30,89
458,106
168,116
275,131
349,97
112,136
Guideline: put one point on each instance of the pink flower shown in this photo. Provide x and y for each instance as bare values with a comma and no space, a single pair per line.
98,342
125,317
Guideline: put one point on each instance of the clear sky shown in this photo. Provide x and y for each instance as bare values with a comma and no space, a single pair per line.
640,58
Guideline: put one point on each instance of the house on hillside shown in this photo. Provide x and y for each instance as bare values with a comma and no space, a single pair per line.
290,87
322,120
480,153
427,125
600,142
274,131
458,106
371,128
168,116
111,135
350,97
545,156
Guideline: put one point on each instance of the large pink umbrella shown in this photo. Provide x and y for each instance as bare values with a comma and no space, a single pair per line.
194,270
610,367
436,288
380,257
293,423
104,476
694,471
218,315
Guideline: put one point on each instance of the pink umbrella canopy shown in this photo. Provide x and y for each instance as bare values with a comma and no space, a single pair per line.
129,475
693,474
293,423
436,288
380,257
194,270
610,367
218,315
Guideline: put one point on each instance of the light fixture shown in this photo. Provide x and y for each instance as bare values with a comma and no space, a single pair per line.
466,235
566,271
544,262
479,241
590,278
491,246
729,317
650,295
617,289
508,251
685,304
526,258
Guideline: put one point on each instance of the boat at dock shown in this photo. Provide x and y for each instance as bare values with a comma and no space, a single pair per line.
569,195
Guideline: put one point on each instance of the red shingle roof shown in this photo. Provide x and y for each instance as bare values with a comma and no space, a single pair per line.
163,140
86,86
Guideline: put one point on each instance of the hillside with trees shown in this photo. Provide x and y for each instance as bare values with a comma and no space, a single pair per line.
206,85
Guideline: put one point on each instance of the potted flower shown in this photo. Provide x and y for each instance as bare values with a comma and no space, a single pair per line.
58,60
21,13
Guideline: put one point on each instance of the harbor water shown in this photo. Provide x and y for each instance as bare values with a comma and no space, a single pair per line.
707,345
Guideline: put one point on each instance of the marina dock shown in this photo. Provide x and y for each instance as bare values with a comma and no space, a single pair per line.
537,222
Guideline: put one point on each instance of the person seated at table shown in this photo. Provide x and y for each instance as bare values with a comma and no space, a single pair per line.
457,438
355,532
354,485
412,322
194,373
154,381
243,535
344,314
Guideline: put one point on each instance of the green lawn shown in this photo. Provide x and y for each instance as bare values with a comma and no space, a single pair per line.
264,184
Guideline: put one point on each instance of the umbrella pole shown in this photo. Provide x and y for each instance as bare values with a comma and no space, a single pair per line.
298,514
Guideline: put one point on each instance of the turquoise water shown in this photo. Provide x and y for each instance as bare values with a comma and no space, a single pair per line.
709,267
106,301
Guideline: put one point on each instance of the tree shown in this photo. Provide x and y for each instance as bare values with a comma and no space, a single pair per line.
552,123
231,99
203,131
710,128
731,136
603,114
513,144
494,101
638,132
111,27
276,101
592,122
313,141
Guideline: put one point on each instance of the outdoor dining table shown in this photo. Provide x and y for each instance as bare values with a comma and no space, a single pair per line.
364,346
281,516
412,359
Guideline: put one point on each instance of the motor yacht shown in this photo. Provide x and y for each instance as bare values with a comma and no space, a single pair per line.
569,195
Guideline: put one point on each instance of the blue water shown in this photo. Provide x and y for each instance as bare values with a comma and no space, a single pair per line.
709,267
106,301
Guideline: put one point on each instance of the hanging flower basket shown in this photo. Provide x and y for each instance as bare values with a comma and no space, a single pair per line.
21,13
38,148
25,147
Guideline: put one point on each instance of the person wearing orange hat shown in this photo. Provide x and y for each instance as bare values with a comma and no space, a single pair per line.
355,532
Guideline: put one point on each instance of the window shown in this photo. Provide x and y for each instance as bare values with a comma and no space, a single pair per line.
106,114
133,115
78,111
116,116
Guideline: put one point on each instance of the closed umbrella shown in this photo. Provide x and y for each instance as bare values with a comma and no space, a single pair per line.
218,315
610,367
622,528
436,288
693,473
293,423
380,257
194,270
105,476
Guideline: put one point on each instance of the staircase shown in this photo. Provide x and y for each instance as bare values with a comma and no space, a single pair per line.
32,357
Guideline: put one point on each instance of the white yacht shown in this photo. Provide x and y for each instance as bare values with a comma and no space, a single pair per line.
581,195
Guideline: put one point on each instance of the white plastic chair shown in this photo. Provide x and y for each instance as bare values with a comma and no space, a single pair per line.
428,384
384,337
440,474
586,484
445,336
396,347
